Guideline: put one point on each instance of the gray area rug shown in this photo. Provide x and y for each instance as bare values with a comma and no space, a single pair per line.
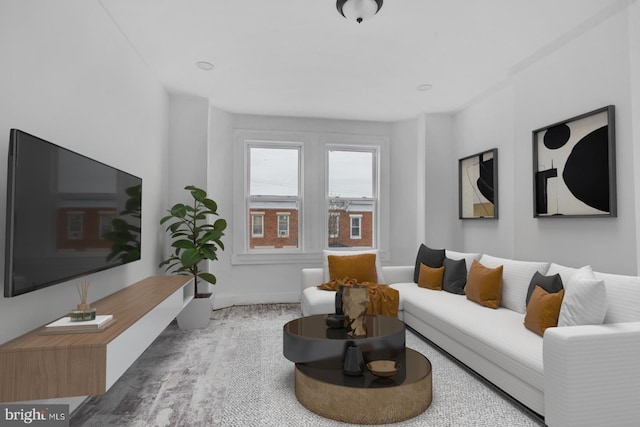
233,373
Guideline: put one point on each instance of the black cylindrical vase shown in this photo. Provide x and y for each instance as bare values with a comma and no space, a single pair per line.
353,361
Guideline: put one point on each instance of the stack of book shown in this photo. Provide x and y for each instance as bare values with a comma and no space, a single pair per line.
67,326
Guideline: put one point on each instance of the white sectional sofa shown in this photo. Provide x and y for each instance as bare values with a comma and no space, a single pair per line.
585,375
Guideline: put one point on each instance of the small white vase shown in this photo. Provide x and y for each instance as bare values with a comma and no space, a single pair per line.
196,314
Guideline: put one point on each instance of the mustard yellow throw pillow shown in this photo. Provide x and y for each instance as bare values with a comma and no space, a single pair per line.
430,278
360,267
543,310
484,285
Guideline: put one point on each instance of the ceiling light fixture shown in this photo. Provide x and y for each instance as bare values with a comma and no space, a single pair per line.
204,65
358,10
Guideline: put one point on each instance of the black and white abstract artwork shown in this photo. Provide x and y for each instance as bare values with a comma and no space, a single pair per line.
574,166
478,185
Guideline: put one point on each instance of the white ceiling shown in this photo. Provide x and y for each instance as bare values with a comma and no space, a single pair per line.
302,58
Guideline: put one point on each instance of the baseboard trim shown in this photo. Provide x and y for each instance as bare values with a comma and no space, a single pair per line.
224,301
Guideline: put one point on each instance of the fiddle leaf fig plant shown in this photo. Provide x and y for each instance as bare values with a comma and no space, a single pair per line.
193,236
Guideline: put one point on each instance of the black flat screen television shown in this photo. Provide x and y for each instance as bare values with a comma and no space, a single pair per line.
67,215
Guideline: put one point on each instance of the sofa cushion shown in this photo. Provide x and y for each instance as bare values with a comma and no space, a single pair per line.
551,284
497,336
455,276
468,257
585,299
360,267
325,261
430,278
623,293
484,285
623,297
564,271
516,276
429,257
543,310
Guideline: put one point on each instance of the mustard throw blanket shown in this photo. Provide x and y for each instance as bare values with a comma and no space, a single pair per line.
382,299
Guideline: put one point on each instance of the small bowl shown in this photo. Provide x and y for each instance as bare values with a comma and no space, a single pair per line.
383,368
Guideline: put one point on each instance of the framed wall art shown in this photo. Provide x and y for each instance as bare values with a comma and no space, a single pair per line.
478,186
574,167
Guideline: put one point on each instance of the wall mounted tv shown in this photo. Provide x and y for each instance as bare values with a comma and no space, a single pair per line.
67,215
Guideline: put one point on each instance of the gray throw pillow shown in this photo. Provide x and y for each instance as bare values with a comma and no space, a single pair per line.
455,276
430,257
551,284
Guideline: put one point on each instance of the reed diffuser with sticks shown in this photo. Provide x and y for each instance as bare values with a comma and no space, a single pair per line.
84,310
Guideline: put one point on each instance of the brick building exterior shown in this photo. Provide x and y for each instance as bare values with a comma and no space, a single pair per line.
354,228
278,228
273,228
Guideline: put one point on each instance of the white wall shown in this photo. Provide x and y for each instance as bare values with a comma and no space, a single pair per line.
407,197
188,137
188,154
485,125
68,76
441,191
586,72
219,188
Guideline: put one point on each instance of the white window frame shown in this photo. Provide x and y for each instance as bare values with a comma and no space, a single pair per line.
351,227
255,215
375,199
248,144
283,232
335,215
312,210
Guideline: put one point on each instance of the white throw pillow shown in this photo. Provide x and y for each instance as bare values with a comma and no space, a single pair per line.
564,271
325,262
516,276
623,297
585,299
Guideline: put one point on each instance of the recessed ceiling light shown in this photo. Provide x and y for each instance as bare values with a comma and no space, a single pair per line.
204,65
424,87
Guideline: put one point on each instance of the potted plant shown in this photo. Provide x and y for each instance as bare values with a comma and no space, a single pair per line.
195,240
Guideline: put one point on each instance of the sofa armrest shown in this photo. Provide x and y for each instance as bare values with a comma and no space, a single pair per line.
311,277
592,375
398,274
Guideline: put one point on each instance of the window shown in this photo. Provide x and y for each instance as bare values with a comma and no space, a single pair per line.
334,225
307,186
274,189
283,224
356,221
257,225
352,196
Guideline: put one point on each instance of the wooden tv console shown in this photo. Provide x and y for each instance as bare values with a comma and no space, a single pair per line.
35,366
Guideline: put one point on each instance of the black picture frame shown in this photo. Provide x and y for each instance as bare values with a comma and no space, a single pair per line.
478,186
574,167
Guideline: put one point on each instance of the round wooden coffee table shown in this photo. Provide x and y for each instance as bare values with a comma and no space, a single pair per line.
323,388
